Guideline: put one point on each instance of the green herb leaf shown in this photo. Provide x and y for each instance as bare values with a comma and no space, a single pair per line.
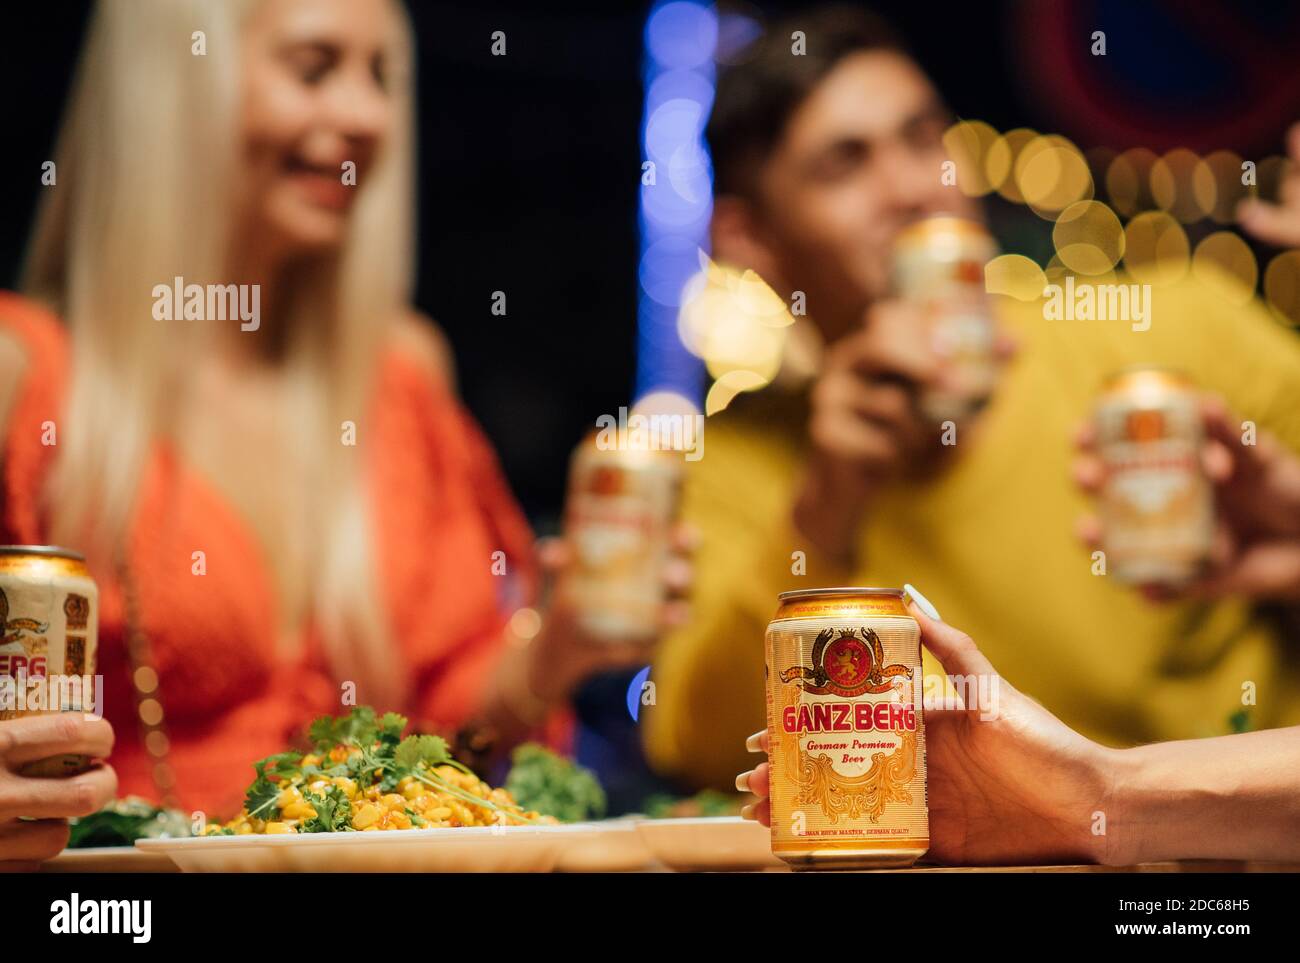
357,728
333,812
413,750
550,784
260,800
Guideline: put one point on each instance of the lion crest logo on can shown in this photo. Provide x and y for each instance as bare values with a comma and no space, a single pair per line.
847,666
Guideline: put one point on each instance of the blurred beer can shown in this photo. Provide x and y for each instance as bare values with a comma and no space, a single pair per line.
939,263
1157,506
619,515
847,737
49,635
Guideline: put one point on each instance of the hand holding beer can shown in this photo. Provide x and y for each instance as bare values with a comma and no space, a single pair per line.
847,738
1156,504
49,635
939,264
621,507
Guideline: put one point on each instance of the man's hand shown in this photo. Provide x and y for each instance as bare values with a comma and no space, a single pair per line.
564,655
1278,224
866,427
47,803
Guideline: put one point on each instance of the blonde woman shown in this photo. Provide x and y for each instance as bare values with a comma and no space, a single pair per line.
286,510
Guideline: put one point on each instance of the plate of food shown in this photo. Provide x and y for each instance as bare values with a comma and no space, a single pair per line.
365,799
462,849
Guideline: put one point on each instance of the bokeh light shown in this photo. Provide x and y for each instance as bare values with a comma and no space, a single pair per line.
681,34
1057,270
1000,162
1128,181
676,186
1156,250
1269,175
1051,174
1183,185
1282,286
967,143
729,385
1089,238
1225,262
734,321
1225,168
1016,276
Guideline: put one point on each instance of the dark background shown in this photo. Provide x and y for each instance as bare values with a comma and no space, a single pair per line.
529,163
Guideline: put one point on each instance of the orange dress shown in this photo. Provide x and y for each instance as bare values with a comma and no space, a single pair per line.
440,508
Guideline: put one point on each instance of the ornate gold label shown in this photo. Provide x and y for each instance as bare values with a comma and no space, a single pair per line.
847,734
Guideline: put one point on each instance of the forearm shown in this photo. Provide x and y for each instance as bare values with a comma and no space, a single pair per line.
1232,797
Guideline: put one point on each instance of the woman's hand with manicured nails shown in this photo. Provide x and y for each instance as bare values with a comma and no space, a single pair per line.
34,810
1020,787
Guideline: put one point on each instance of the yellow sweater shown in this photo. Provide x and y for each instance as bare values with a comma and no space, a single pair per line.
991,542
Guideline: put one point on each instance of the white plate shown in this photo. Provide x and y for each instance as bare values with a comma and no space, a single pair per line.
613,846
469,849
108,859
710,843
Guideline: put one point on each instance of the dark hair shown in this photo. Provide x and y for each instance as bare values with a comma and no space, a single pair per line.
757,96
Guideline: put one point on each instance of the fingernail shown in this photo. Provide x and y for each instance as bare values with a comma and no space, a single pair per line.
747,811
752,744
742,781
922,603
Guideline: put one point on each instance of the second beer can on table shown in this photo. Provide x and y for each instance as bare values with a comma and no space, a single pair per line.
847,737
1157,506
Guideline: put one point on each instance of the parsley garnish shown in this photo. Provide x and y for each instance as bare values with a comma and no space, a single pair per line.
377,755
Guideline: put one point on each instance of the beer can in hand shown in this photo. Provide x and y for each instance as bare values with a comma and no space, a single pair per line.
1156,505
847,737
49,622
619,515
939,264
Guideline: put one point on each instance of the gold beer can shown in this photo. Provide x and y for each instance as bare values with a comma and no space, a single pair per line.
939,263
1156,506
847,737
619,514
49,625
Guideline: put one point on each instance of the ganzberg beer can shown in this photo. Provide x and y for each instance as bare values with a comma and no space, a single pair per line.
847,739
1156,506
939,264
619,515
49,620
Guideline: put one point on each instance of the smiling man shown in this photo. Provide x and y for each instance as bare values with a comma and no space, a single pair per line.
821,160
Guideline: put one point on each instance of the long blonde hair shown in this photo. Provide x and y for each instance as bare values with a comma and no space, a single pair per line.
145,164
